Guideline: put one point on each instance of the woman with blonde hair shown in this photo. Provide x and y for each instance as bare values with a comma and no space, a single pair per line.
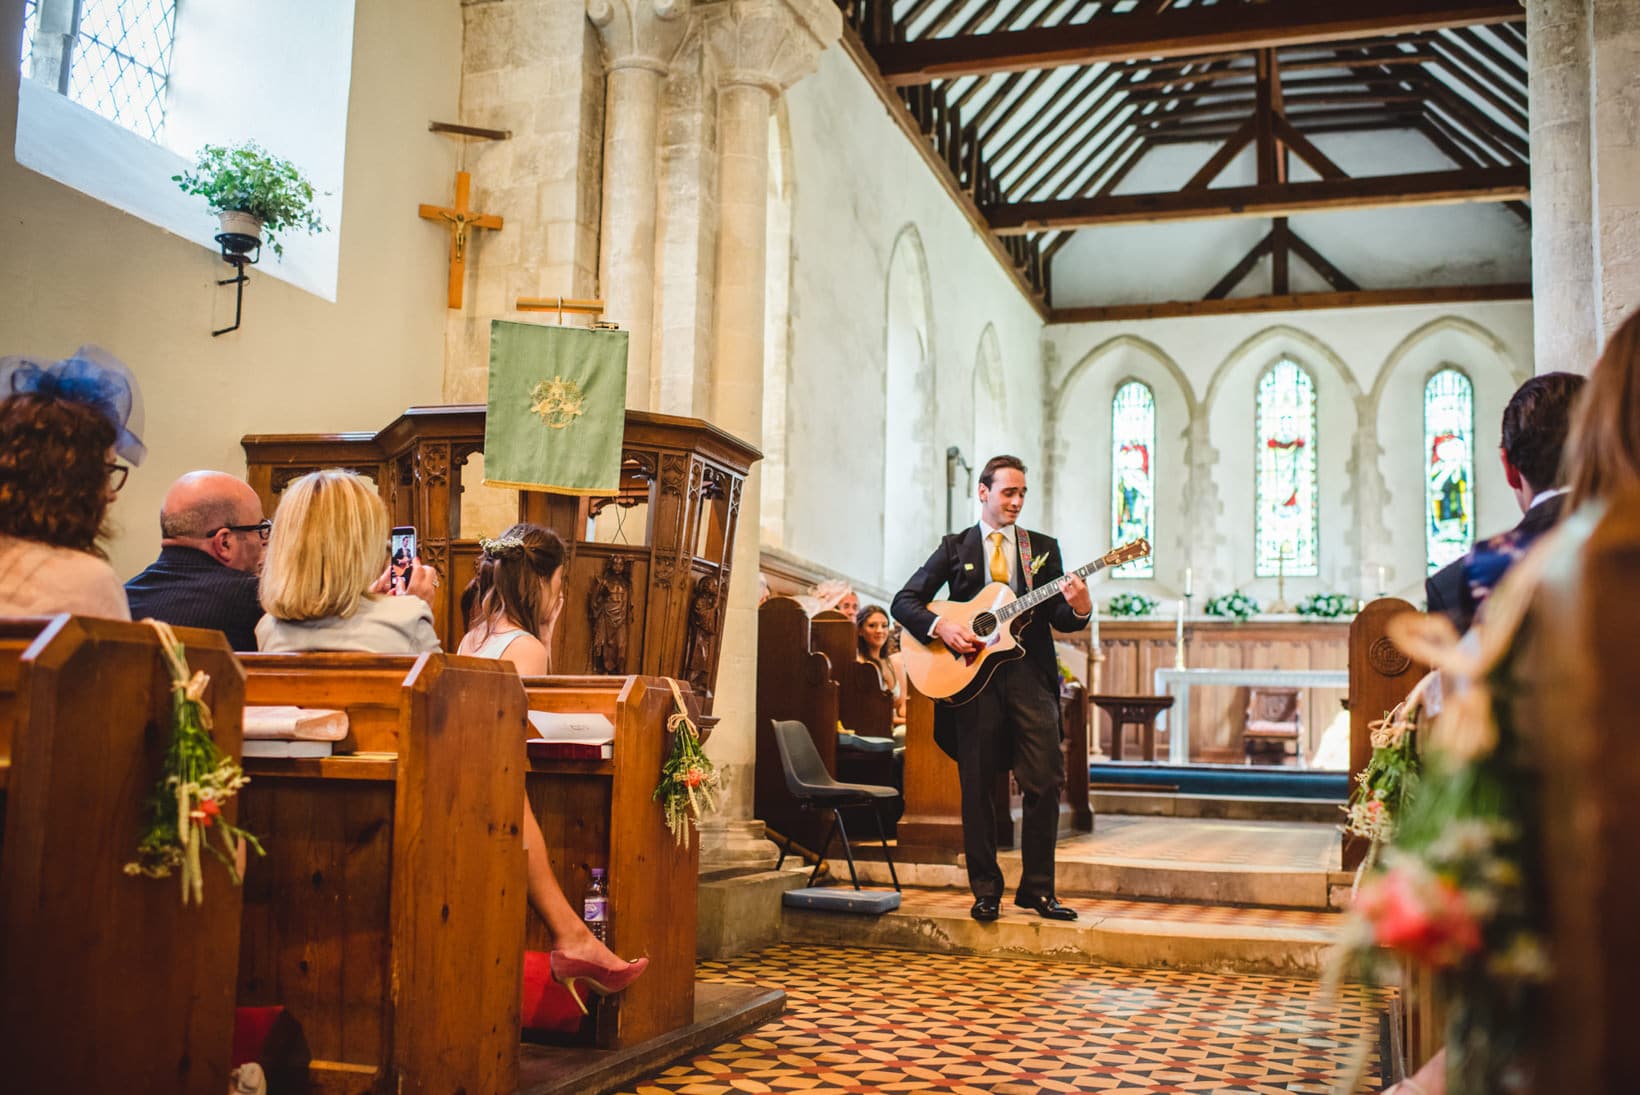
326,585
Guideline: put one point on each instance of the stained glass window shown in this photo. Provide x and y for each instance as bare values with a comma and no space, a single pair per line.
118,59
1133,483
1284,509
1449,469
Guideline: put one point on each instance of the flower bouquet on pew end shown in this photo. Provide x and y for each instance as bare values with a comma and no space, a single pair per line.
689,784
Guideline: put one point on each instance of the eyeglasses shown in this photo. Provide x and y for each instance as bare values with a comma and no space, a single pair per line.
261,528
116,475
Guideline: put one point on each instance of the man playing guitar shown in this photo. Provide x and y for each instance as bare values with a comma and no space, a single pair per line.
1013,720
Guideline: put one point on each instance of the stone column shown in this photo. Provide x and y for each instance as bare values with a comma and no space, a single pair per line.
758,48
1564,308
639,40
1614,30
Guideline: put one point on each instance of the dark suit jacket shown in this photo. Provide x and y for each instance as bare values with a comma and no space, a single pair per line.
1448,590
960,564
187,588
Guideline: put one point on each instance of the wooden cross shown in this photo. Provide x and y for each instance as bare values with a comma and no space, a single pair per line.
460,219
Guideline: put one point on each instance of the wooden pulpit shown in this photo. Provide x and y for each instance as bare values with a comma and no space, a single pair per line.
648,573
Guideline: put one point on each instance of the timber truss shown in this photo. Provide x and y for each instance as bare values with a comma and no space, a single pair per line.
1033,112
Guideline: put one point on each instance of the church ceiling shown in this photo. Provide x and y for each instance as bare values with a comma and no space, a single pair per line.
1037,112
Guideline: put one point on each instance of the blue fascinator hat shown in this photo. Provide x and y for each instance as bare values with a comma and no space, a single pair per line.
93,376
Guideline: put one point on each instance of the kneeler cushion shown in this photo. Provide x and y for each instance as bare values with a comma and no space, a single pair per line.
548,1006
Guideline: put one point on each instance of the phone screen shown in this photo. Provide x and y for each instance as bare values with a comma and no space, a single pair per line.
402,553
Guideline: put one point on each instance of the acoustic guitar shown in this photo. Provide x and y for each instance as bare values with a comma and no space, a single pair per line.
944,674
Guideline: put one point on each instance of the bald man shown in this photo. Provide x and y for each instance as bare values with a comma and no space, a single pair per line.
213,537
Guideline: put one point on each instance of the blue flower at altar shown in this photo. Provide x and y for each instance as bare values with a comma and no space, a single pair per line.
93,376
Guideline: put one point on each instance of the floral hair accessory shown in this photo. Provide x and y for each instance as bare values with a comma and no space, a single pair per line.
93,376
505,547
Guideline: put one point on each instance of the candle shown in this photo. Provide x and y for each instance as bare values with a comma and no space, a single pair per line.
1178,638
1381,584
1188,575
1094,623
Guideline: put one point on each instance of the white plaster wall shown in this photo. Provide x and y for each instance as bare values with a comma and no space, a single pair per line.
858,183
1385,354
78,271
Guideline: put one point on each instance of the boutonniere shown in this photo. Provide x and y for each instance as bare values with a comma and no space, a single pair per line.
1036,564
968,566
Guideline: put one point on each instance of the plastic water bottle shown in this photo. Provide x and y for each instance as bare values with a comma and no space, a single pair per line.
595,906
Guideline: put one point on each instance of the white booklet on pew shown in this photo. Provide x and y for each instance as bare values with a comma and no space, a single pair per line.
294,724
287,747
571,735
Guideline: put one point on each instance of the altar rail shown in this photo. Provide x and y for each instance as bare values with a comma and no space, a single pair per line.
1135,649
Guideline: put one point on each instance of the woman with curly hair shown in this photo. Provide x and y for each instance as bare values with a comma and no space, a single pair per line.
510,607
62,428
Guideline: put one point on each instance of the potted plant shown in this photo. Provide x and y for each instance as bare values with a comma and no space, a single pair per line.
253,193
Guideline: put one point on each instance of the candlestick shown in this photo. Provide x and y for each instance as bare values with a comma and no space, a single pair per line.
1188,575
1093,622
1178,638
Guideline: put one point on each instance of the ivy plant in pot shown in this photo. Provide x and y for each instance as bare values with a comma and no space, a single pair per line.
253,193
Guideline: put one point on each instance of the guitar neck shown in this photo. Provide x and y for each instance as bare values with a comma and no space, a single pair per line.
1042,593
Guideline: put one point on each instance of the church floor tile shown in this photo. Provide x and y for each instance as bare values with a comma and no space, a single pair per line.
896,1021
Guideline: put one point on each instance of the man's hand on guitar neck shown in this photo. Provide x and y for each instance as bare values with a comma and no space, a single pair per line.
1076,595
956,637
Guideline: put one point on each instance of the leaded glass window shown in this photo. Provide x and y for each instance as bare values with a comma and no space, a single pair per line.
1133,483
1449,468
1284,506
118,59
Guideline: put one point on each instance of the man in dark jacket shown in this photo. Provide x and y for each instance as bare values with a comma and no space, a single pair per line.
1014,720
213,538
1535,424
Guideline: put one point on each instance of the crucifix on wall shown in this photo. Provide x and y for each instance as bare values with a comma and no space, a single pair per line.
460,219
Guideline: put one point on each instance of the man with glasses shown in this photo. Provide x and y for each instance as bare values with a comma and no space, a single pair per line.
213,538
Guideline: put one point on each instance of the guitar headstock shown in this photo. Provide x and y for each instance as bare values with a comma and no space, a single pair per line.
1138,549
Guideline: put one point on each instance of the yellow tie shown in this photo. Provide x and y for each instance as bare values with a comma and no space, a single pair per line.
999,561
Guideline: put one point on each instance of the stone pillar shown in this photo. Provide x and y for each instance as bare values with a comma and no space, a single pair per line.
1614,30
1585,175
758,48
1564,311
639,40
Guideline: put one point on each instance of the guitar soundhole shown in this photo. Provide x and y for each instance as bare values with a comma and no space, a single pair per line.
985,625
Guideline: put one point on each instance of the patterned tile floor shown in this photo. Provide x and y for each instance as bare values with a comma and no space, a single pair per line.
894,1021
949,902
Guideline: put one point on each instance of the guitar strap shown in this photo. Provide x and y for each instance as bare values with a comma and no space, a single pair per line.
1025,559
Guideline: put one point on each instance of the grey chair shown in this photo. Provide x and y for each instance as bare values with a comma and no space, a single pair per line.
814,789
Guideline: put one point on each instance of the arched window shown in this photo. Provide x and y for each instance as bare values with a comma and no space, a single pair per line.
1133,473
1284,510
1449,466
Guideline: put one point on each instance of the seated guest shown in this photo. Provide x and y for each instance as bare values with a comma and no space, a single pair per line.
872,628
1603,452
212,540
325,587
1535,425
834,594
62,427
511,606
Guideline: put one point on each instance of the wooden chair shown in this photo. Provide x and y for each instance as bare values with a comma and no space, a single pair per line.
1273,720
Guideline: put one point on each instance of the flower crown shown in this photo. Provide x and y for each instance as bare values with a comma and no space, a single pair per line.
505,547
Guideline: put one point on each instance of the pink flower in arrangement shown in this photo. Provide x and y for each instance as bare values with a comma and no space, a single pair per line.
695,776
1424,916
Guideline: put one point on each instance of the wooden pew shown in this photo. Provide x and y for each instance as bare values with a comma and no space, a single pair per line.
388,917
1073,717
603,813
107,983
793,682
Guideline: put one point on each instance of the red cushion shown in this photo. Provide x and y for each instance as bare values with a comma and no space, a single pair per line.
547,1006
251,1027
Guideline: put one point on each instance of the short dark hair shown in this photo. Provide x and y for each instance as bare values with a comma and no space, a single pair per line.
53,470
992,465
1535,425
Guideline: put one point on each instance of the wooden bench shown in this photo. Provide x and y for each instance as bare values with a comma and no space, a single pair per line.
388,916
107,983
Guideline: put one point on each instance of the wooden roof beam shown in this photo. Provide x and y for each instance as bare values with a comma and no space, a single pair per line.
1272,24
1424,188
1293,302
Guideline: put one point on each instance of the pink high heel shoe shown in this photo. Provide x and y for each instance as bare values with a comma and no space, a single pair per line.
573,973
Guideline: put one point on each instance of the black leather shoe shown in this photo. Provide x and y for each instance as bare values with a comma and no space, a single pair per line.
987,909
1047,907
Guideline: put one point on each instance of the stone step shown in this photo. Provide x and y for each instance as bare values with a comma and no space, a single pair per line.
1231,807
1137,879
1116,932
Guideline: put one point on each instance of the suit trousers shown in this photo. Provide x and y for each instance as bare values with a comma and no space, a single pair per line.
1016,717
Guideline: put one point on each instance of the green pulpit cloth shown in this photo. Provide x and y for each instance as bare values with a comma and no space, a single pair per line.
557,408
